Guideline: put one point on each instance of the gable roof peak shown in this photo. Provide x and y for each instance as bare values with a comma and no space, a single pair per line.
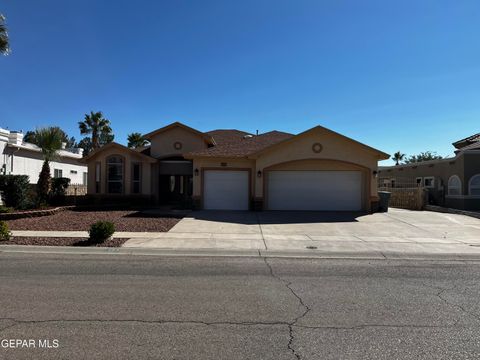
205,136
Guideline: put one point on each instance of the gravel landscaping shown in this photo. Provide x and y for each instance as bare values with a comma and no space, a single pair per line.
76,220
61,241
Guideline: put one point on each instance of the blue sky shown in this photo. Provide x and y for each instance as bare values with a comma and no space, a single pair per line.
397,75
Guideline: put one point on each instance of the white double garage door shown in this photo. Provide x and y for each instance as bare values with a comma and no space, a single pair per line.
286,190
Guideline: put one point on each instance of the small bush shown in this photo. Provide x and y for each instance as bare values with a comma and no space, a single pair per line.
15,190
4,231
101,231
5,210
58,190
59,186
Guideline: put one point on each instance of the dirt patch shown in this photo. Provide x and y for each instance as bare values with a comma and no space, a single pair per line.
60,241
76,220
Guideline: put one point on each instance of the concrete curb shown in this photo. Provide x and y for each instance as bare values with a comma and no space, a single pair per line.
311,254
445,210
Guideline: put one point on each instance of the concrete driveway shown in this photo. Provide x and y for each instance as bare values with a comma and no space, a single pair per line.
398,230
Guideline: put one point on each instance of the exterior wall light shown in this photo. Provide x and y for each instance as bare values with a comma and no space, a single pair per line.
375,173
259,173
196,172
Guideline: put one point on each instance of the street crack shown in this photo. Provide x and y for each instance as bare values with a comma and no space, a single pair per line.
440,294
16,322
306,308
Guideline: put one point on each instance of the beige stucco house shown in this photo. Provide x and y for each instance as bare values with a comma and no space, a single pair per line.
452,182
233,170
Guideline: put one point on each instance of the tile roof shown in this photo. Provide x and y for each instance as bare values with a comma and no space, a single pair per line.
468,140
472,146
236,143
226,135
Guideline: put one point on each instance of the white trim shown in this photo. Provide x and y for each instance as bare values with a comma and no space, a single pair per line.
454,187
429,178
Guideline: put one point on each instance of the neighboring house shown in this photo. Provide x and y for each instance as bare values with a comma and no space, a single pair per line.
234,170
21,158
452,182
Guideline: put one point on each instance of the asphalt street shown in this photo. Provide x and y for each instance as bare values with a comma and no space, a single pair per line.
135,307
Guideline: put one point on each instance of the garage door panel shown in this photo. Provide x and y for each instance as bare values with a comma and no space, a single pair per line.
226,190
315,190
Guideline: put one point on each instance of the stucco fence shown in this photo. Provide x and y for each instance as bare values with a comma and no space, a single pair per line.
405,194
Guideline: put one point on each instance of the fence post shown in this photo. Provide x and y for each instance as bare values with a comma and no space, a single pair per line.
420,198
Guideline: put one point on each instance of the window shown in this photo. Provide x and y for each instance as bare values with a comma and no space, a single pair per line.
454,185
97,177
429,182
57,173
85,178
115,175
474,185
136,177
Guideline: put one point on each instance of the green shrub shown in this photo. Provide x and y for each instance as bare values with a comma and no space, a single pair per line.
4,231
58,190
101,231
5,210
15,190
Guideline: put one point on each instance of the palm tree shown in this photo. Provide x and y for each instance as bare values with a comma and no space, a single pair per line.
99,127
70,142
50,141
136,140
4,48
397,157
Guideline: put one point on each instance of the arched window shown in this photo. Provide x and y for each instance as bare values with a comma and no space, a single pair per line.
454,185
115,174
474,185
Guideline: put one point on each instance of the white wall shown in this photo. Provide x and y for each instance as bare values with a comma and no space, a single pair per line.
29,163
22,158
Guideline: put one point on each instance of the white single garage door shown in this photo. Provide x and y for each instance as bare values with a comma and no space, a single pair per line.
315,190
225,190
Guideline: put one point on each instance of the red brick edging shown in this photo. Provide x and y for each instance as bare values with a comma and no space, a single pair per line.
33,213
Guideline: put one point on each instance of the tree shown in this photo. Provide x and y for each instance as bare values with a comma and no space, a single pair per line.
86,145
98,127
69,141
4,47
29,137
397,157
136,140
49,139
423,156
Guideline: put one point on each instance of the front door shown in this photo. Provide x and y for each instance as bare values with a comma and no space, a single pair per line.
175,189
